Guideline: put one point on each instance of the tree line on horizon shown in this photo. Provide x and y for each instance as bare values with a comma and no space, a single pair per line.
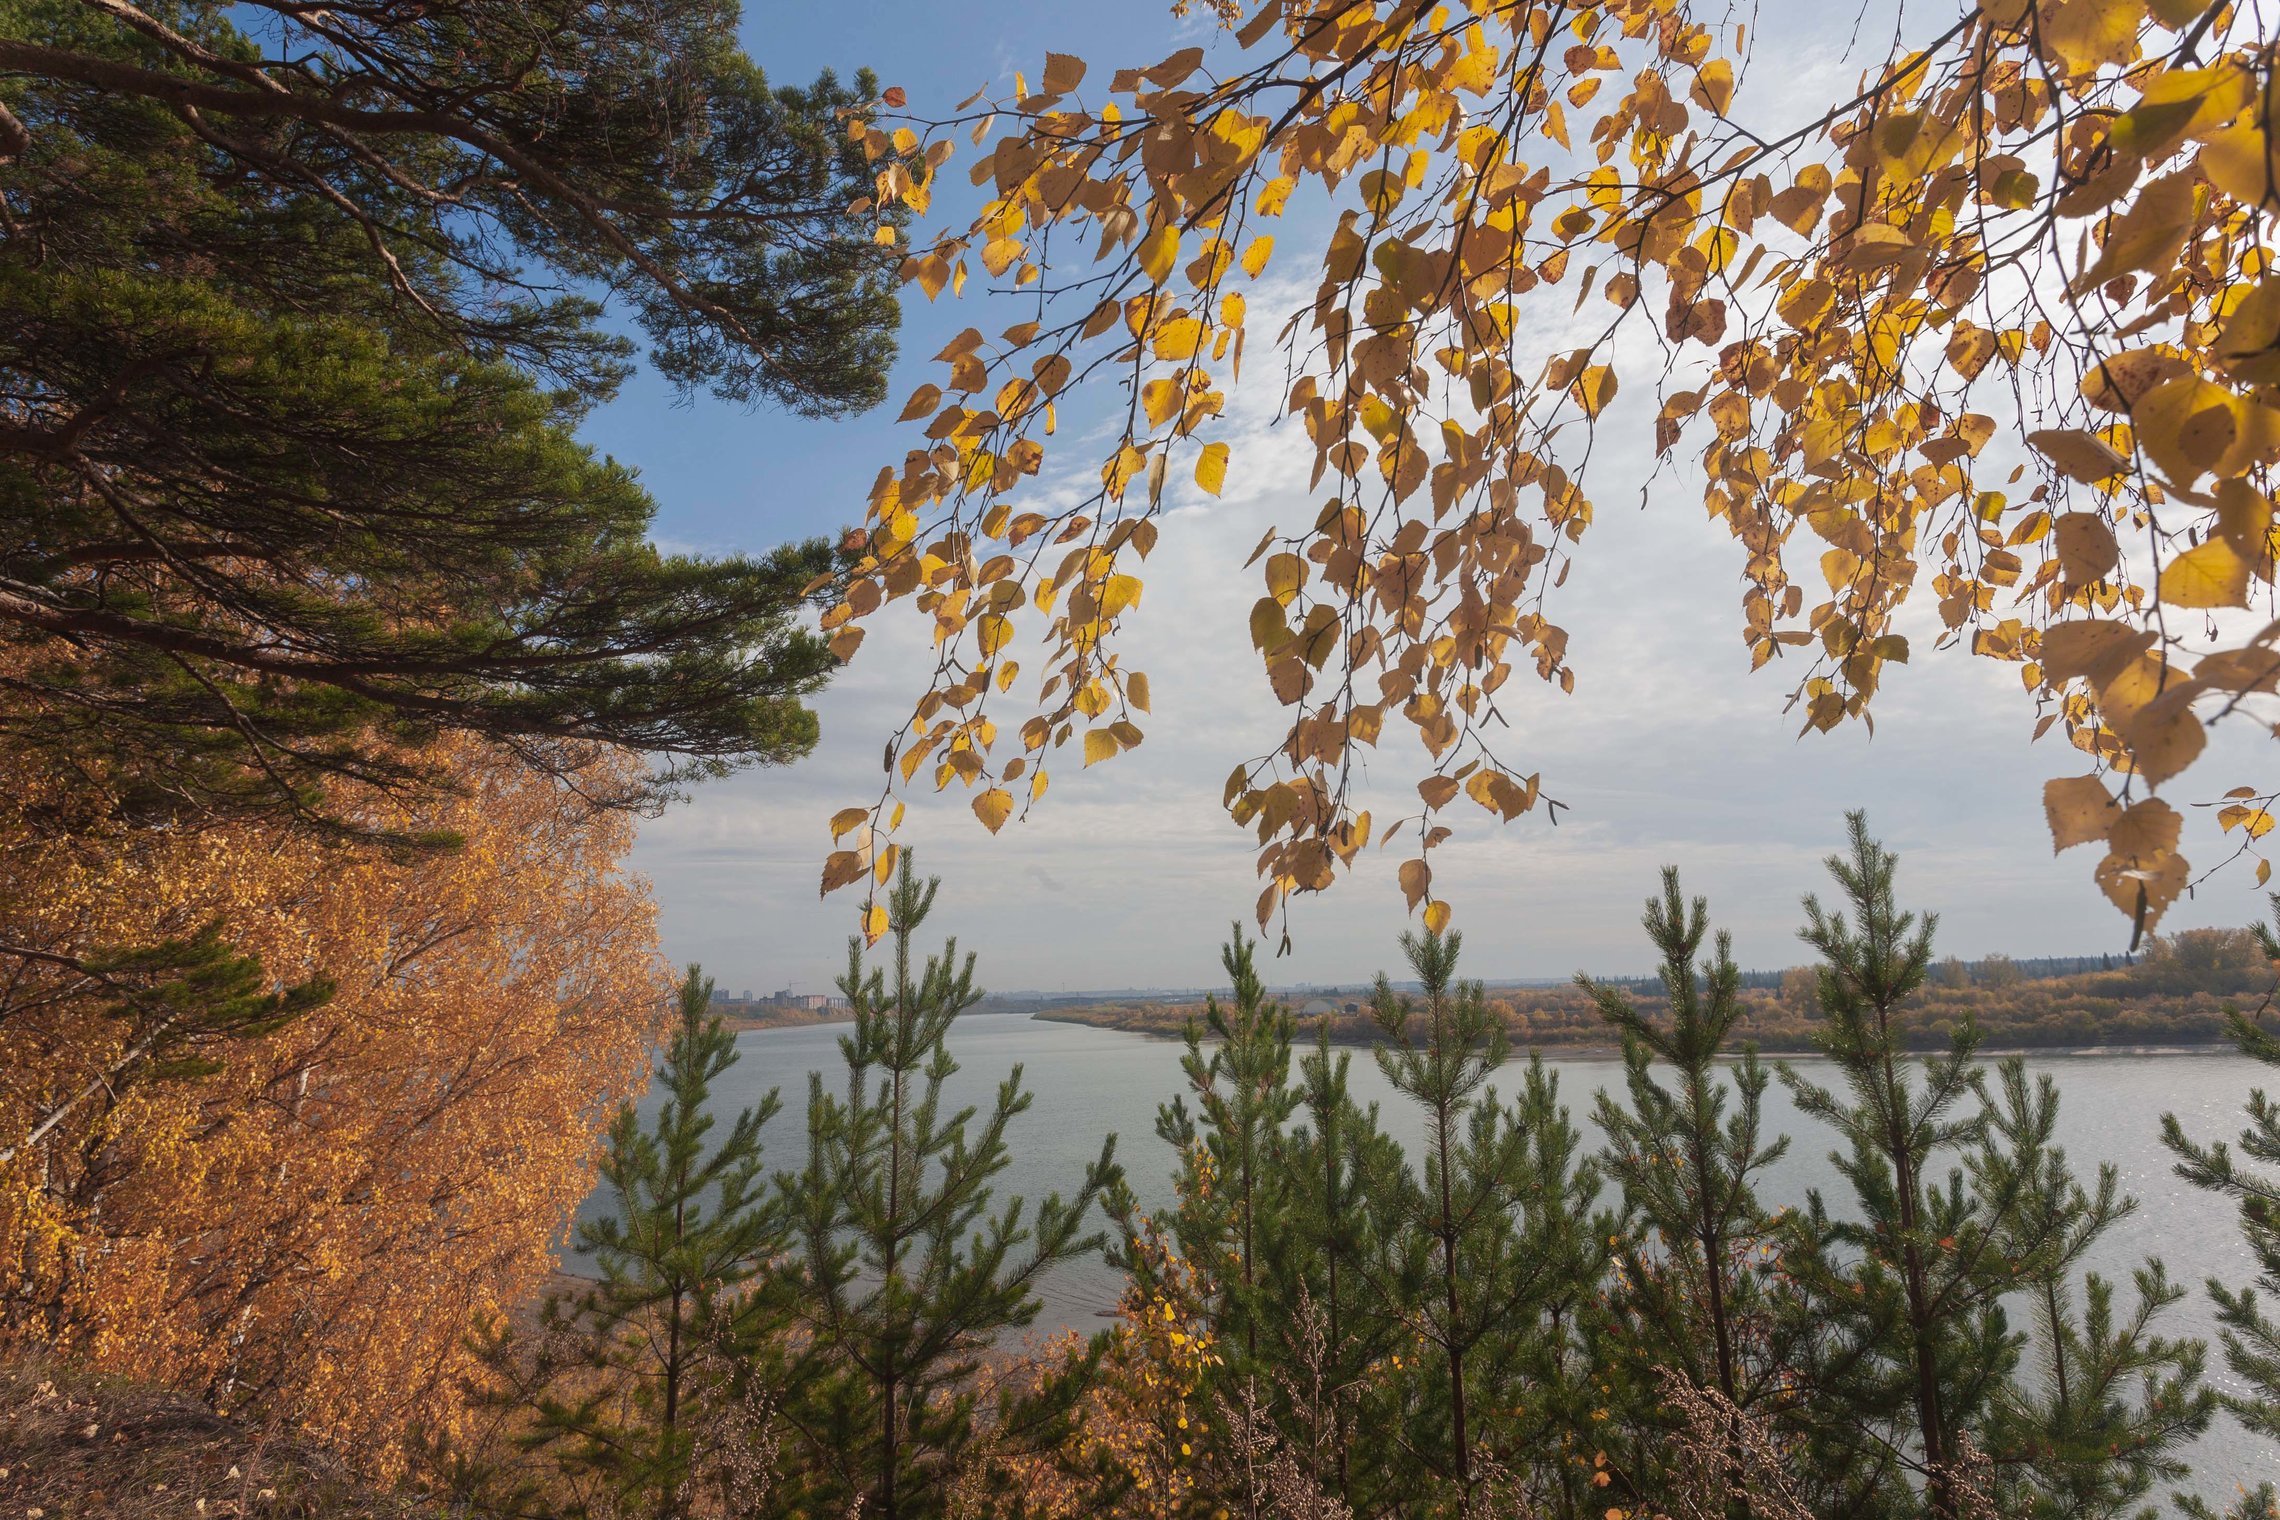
2179,990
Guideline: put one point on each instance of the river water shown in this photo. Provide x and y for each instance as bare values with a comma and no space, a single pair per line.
1089,1082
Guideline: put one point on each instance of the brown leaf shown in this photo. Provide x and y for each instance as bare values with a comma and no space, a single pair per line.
839,868
2079,809
2093,648
2087,551
2079,455
1416,881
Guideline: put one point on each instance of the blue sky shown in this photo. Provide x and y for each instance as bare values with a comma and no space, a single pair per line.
1128,875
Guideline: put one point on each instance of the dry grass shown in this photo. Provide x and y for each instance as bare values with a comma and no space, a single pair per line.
72,1445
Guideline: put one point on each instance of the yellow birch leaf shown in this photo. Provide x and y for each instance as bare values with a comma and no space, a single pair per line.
2147,828
2244,517
2249,346
874,923
2087,33
2187,426
1160,399
1136,690
1803,303
1255,257
2207,575
993,807
1436,916
1438,791
1160,253
1286,573
1177,339
2163,733
847,820
2118,381
1100,744
1593,389
1268,630
2240,162
1211,468
2148,235
1000,254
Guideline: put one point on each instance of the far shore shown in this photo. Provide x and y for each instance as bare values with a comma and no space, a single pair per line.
1346,1039
1550,1050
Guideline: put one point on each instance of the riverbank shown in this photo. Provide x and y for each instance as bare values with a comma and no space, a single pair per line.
2160,1004
1348,1039
741,1017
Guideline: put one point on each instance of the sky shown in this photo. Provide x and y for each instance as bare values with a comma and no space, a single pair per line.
1128,875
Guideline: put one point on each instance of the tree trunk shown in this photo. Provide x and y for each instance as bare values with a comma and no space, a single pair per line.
668,1499
1454,1347
1930,1424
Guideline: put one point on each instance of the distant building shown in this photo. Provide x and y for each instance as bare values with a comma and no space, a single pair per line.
1317,1008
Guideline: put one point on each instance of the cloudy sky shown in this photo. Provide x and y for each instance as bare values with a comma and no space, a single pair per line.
1128,875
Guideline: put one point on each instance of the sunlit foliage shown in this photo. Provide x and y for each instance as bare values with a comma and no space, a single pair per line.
1998,328
310,1217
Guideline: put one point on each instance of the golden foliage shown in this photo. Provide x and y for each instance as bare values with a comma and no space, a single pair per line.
2054,212
315,1227
1147,1419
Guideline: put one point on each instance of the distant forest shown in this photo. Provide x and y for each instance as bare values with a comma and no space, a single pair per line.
2175,993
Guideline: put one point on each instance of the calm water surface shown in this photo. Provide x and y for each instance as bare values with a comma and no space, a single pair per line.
1089,1082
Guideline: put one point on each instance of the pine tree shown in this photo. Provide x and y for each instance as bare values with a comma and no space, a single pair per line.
1229,1186
1695,1275
624,1383
1499,1211
905,1275
2095,1418
2249,1333
1911,1365
1888,1286
1334,1282
297,323
1466,1194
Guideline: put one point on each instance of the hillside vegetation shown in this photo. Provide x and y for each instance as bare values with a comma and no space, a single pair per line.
2176,993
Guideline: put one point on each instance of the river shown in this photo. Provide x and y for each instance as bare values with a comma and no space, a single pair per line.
1088,1082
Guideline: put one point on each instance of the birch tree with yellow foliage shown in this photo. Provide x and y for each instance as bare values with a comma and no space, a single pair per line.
1998,329
304,1212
